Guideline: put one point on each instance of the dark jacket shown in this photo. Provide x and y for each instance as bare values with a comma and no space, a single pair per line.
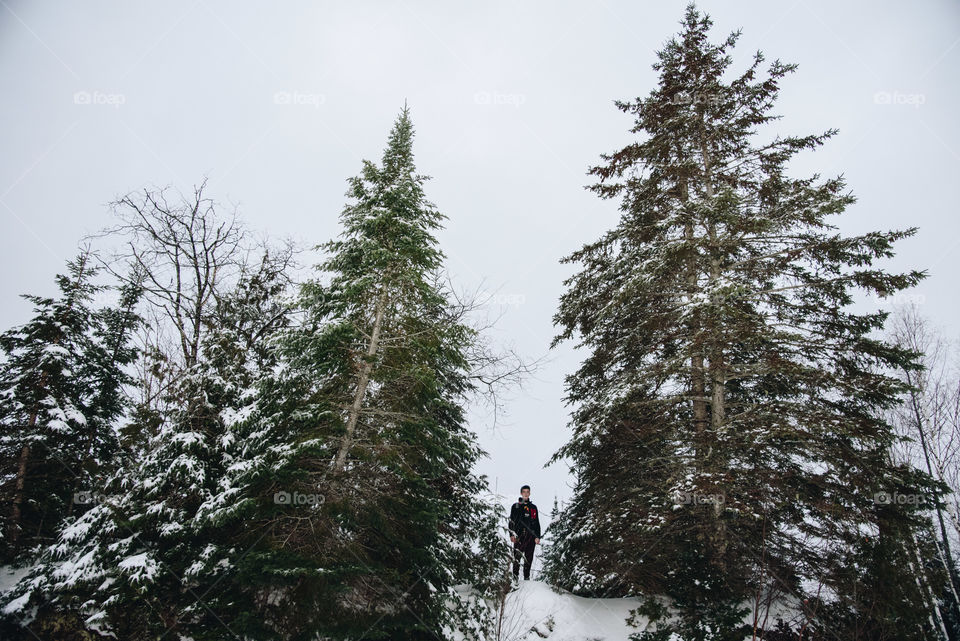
524,520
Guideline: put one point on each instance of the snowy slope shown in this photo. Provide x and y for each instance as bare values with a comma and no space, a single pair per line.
535,611
9,576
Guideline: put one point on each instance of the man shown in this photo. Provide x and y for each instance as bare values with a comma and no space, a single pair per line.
524,532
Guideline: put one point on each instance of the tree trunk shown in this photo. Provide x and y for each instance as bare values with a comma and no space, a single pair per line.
716,368
362,382
944,552
925,589
16,515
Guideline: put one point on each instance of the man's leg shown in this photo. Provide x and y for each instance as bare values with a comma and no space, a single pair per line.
528,558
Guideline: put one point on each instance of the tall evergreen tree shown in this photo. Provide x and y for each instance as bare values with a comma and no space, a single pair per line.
353,473
61,379
728,429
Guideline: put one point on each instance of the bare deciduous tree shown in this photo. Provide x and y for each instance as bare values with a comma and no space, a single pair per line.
190,254
930,418
186,248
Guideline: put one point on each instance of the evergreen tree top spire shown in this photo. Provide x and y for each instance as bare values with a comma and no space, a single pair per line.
398,155
388,225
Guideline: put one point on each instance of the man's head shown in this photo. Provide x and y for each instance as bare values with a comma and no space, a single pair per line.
525,491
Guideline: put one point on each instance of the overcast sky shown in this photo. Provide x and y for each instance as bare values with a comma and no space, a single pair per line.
277,103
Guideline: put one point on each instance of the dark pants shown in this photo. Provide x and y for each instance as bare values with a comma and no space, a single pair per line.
523,545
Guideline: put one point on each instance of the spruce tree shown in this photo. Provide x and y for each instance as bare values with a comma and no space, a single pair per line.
353,470
61,378
141,563
728,430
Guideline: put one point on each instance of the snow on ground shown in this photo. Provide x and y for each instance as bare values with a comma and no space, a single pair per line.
536,611
10,575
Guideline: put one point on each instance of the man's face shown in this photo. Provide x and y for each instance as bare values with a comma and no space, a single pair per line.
525,493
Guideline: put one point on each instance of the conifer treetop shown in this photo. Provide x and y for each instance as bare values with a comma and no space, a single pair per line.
388,225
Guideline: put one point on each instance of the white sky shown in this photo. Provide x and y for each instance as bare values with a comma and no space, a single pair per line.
512,102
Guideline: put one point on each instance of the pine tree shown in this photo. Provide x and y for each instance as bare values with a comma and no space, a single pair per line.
61,378
728,429
140,563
